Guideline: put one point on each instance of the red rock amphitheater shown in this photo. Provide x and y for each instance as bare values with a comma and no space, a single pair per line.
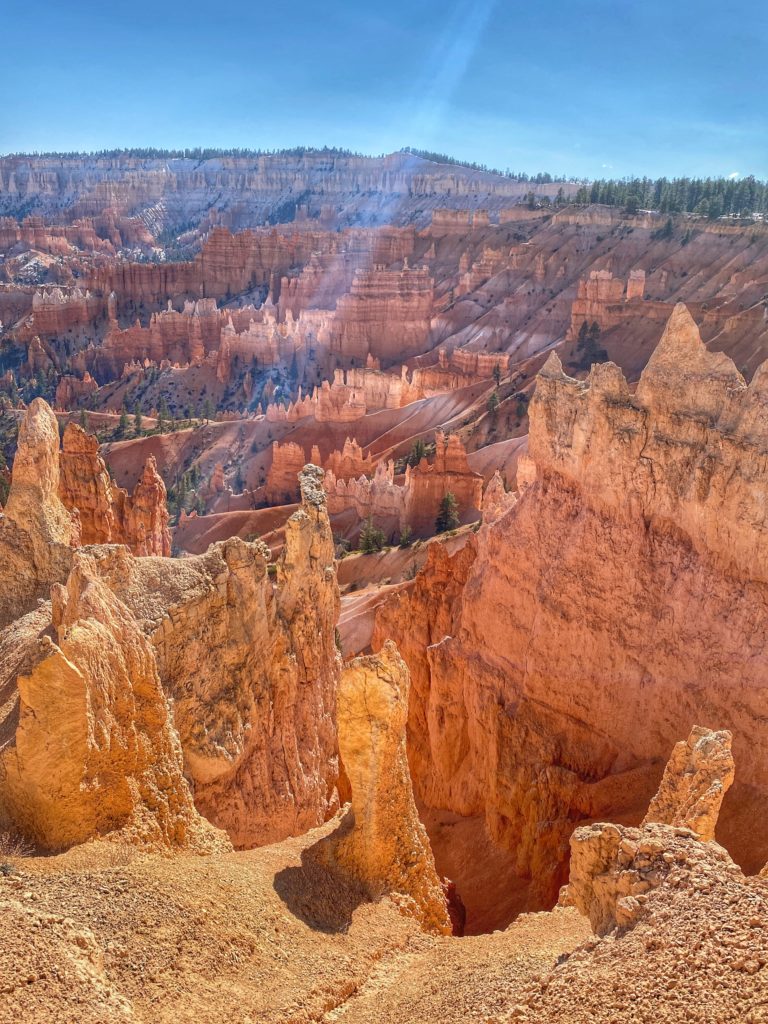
383,597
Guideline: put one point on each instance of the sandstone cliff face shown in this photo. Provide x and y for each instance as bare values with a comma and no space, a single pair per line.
107,513
282,487
91,750
246,654
497,500
251,664
145,514
416,501
386,314
85,485
36,531
626,585
381,842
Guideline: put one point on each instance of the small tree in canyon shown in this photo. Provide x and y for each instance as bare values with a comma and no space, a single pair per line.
371,538
448,516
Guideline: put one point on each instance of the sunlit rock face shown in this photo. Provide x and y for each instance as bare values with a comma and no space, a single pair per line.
211,677
248,656
698,774
558,657
90,750
613,868
381,842
106,512
36,531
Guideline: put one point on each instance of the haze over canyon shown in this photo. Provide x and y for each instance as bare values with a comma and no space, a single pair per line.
383,591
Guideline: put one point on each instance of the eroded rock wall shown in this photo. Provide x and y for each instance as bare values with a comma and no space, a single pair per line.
90,749
381,841
626,585
107,513
37,532
249,658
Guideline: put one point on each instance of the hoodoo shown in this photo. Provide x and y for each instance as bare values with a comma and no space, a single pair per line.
93,752
381,842
36,531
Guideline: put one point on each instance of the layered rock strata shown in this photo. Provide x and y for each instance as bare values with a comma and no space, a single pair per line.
245,650
414,502
107,513
627,583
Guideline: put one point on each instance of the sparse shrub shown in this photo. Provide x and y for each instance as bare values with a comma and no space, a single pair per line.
371,538
406,537
417,452
448,516
12,845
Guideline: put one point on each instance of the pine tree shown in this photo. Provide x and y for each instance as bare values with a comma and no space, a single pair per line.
493,403
417,453
4,483
448,516
137,419
497,373
371,538
122,427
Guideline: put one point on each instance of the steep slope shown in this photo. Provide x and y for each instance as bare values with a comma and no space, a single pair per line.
627,585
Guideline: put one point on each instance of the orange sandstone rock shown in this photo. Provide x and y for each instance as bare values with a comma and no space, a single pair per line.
416,501
94,752
145,514
107,513
85,485
614,868
497,500
250,661
697,776
36,531
381,842
287,461
626,585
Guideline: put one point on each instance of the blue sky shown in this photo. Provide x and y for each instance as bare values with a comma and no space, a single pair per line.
587,88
